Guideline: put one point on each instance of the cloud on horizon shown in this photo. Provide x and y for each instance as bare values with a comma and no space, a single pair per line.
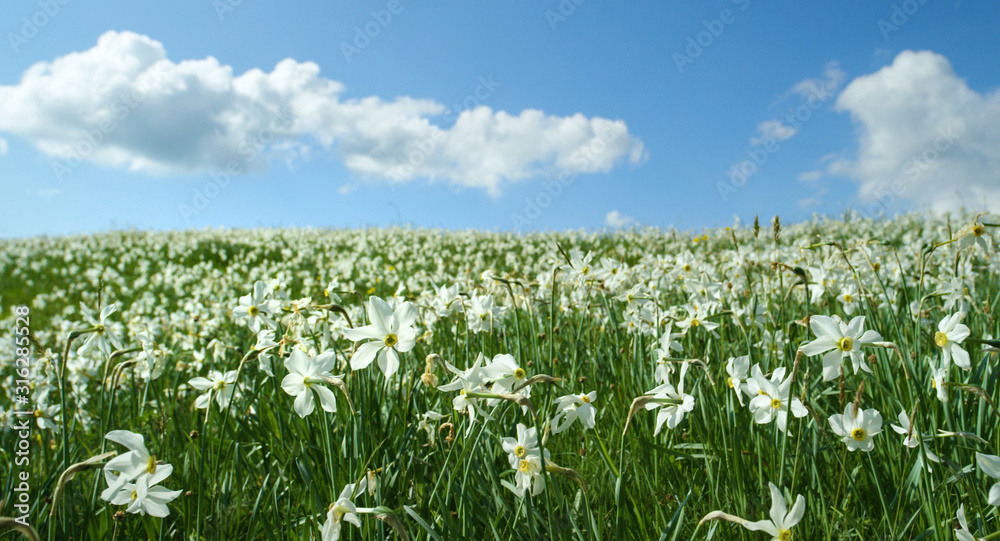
124,104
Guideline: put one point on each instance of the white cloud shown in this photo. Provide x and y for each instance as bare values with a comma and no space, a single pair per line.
810,176
616,219
773,129
821,87
809,202
3,146
123,103
924,136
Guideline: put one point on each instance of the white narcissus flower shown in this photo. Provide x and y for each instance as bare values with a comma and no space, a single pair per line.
525,445
102,338
467,381
136,462
856,427
950,334
849,298
737,368
772,398
306,375
672,412
836,340
782,520
937,381
990,465
905,427
217,383
962,533
343,510
391,333
573,407
529,477
256,308
148,498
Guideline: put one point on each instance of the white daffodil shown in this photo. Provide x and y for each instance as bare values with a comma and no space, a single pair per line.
218,384
306,375
668,345
906,428
938,376
391,333
673,402
265,342
849,298
343,510
149,498
950,334
696,318
131,465
856,427
256,308
101,337
772,398
525,445
782,520
572,407
990,465
529,477
962,533
836,340
737,368
506,375
467,381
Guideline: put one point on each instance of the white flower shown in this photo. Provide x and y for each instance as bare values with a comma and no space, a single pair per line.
573,407
937,381
148,498
217,383
856,428
101,337
528,477
525,445
467,381
673,402
962,532
838,340
256,308
342,510
737,368
849,298
950,334
772,398
306,375
905,428
136,462
782,520
990,465
391,333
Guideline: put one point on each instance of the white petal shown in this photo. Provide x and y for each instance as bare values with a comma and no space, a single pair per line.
365,355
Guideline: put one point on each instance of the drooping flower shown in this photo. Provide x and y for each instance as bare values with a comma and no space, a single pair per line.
390,333
573,407
343,510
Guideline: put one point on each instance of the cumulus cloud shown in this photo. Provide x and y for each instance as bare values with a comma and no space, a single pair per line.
616,219
923,136
123,103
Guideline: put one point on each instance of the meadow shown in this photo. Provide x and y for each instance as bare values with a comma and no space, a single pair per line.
831,379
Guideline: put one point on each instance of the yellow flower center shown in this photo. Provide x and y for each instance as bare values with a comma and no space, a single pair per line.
519,373
876,266
785,535
134,495
219,385
100,329
695,322
253,311
687,268
776,403
845,344
848,298
585,399
524,466
585,270
519,451
978,230
730,382
941,339
151,464
390,340
760,392
858,434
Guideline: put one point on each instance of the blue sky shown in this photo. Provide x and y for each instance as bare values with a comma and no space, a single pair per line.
500,115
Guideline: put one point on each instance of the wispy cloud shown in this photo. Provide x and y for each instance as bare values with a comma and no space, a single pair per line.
616,219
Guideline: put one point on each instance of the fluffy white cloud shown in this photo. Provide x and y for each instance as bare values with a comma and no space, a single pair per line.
123,103
924,136
616,219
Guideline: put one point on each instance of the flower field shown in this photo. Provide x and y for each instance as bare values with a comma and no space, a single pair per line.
832,379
